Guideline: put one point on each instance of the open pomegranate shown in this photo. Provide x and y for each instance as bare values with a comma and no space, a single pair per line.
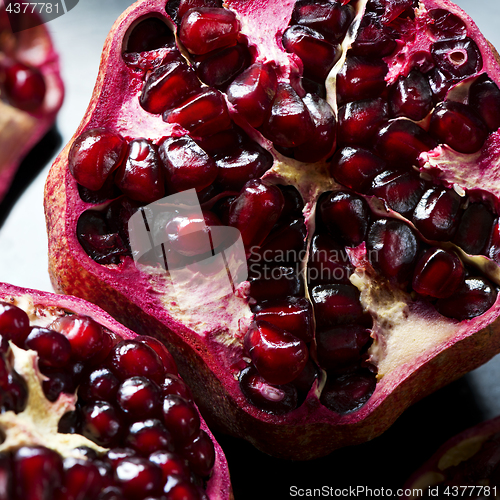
354,145
31,93
91,410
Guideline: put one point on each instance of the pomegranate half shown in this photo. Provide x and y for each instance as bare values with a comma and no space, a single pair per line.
354,145
91,410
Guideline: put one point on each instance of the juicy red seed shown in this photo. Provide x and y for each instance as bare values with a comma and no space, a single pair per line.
180,418
200,453
411,96
222,66
446,25
356,167
241,164
346,216
328,261
347,393
37,472
317,54
361,78
99,385
373,39
359,120
484,98
255,211
440,84
458,126
141,175
289,123
329,18
274,399
138,478
115,455
205,29
139,397
168,86
474,230
278,355
457,58
150,34
392,248
15,394
185,5
437,214
341,346
174,385
53,348
82,479
132,358
171,464
162,351
252,92
400,190
438,273
391,9
472,299
85,335
149,436
179,488
203,114
94,155
14,323
402,141
6,479
293,314
294,204
336,305
24,86
101,423
276,282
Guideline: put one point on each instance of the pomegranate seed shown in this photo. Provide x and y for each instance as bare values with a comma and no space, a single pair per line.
203,114
355,168
373,39
174,385
402,141
101,423
132,358
317,54
171,464
346,216
15,393
149,436
341,346
180,418
293,314
24,86
440,84
278,355
473,298
240,164
138,397
484,98
118,215
328,262
359,120
457,58
400,190
82,479
53,348
218,144
336,304
255,211
275,399
168,86
14,323
437,214
493,250
438,273
94,155
391,9
200,453
294,204
85,335
37,471
185,5
361,78
474,229
411,96
204,29
160,349
349,392
289,123
392,248
322,141
275,283
446,25
6,478
115,455
138,478
329,18
150,34
217,69
99,385
458,126
57,383
179,488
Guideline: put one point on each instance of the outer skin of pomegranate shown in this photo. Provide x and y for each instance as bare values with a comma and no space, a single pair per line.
21,130
307,432
219,485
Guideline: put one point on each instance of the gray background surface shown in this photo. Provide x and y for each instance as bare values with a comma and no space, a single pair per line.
386,461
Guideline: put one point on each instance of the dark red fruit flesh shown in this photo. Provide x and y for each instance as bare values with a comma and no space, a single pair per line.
25,86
